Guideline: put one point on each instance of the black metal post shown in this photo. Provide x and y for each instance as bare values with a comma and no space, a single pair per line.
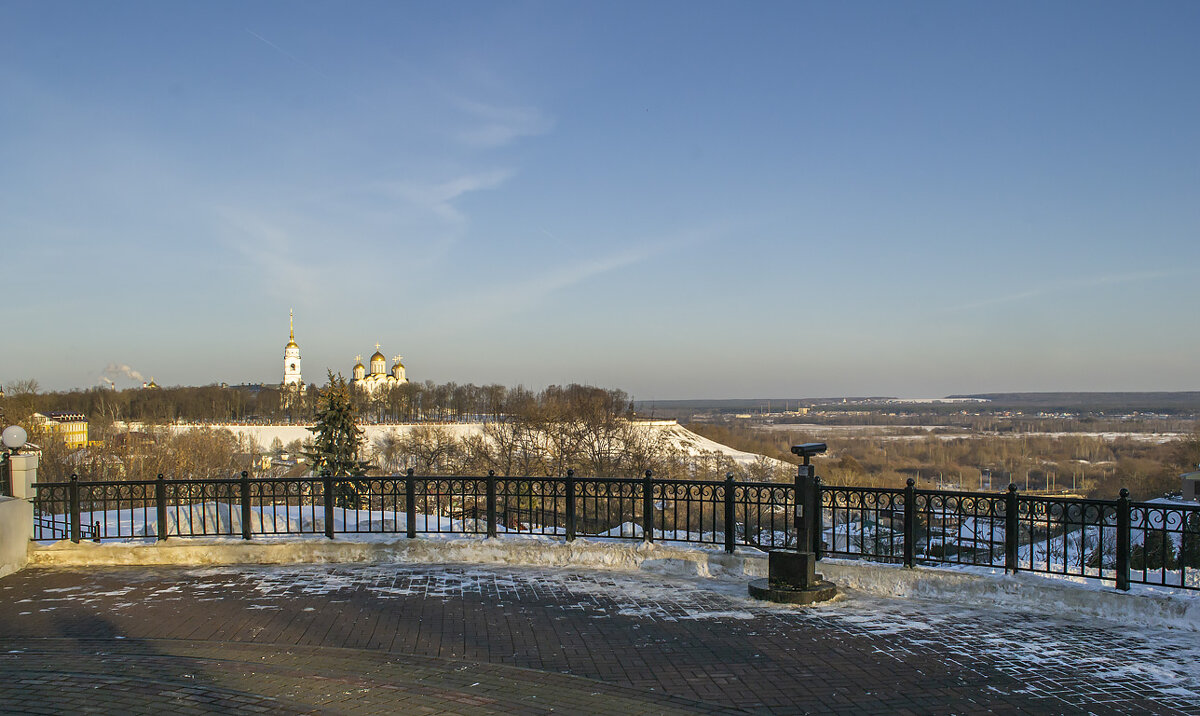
803,516
1124,510
1011,529
491,503
245,505
410,503
327,481
73,491
910,522
160,502
818,519
730,527
570,505
648,506
96,532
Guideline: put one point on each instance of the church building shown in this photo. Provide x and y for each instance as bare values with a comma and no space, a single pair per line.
379,378
291,360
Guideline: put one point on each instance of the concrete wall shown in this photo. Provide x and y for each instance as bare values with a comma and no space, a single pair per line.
16,525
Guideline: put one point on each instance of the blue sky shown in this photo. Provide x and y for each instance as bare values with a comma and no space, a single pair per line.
682,199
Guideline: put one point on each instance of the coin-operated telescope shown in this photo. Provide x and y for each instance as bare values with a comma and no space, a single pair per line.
792,576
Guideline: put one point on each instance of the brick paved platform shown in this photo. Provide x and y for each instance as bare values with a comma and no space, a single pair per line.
473,640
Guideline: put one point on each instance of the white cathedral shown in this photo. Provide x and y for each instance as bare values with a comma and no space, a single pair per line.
379,378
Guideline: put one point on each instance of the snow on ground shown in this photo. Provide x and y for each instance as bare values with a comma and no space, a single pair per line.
1029,645
1034,643
674,433
1073,551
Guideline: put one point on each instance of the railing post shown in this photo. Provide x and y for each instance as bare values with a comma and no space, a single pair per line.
570,505
245,505
648,506
910,522
491,503
96,532
327,481
1124,508
160,502
730,527
818,518
73,492
410,503
1011,529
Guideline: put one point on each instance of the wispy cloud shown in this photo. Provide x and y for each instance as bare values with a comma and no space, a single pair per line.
506,299
273,250
289,244
1066,284
491,125
439,197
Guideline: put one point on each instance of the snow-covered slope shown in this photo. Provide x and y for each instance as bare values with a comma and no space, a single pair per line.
675,434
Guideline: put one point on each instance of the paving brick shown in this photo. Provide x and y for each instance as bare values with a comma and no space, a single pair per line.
464,639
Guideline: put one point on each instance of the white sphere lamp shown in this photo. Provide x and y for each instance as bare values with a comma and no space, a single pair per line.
14,437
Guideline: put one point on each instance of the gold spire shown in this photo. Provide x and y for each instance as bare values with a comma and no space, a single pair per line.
291,330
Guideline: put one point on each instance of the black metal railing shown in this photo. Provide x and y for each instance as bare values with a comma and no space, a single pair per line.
1120,540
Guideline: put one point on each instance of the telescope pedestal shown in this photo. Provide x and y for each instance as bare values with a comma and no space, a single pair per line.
792,579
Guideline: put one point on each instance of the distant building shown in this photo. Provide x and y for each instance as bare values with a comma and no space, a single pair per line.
379,378
291,359
71,427
1191,486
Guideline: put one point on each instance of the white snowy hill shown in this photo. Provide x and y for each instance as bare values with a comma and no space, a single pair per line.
674,433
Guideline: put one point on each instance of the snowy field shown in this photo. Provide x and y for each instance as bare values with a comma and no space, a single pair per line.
669,430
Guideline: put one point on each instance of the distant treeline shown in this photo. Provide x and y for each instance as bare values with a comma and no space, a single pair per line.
1084,464
409,402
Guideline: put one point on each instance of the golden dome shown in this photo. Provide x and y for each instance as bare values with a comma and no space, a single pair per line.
378,356
291,333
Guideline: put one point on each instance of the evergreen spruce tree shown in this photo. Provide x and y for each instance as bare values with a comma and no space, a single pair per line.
337,440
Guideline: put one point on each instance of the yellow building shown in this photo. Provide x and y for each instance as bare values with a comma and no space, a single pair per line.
71,427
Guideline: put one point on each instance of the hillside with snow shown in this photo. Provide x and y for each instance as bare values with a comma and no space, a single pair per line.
670,431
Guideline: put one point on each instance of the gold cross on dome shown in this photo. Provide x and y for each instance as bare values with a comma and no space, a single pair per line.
376,346
358,357
397,358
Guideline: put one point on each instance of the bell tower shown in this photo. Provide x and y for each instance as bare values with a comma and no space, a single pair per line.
291,357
